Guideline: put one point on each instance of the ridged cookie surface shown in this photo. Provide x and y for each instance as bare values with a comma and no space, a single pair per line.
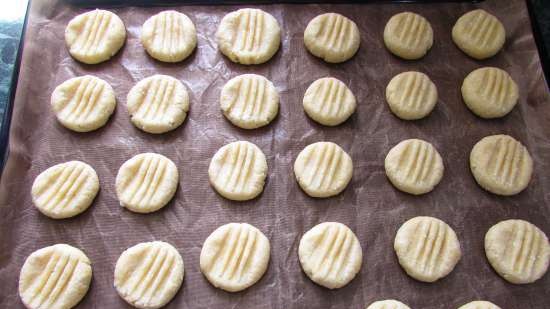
388,304
329,101
408,35
411,95
479,34
479,304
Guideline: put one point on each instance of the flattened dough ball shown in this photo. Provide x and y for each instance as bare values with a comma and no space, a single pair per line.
332,37
388,304
149,274
329,101
323,169
235,256
83,103
65,190
411,95
427,248
238,171
490,92
414,166
249,101
518,251
249,36
146,182
169,36
158,104
57,276
501,165
479,34
95,36
408,35
479,304
330,254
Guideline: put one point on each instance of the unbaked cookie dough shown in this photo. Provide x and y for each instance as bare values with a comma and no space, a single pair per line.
332,37
249,36
148,275
330,254
388,304
427,248
490,92
65,190
146,182
158,104
518,251
169,36
411,95
95,36
323,169
414,166
408,35
479,304
83,103
55,277
238,171
479,34
235,256
249,101
501,165
329,101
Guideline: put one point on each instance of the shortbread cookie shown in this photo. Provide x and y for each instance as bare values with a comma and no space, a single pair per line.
249,36
55,277
479,34
479,304
414,166
388,304
249,101
408,35
329,101
169,36
501,165
146,182
238,171
518,251
332,37
158,104
427,248
323,169
65,190
235,256
148,275
95,36
83,103
490,92
330,254
411,95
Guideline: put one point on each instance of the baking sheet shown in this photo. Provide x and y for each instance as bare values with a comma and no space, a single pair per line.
370,206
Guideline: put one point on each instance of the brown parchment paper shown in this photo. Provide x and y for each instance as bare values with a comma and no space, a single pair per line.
370,206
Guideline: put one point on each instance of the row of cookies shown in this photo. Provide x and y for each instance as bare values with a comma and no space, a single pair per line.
236,255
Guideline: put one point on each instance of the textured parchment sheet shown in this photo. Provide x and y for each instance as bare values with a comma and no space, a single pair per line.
370,206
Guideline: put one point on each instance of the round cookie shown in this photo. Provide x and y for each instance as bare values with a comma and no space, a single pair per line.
414,166
238,171
411,95
329,101
149,274
249,36
479,304
158,104
95,36
249,101
146,182
388,304
518,251
408,35
235,256
57,276
427,248
490,92
479,34
83,103
332,37
323,169
501,165
330,254
65,190
169,36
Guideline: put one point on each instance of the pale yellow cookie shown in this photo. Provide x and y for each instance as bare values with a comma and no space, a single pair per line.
329,101
479,34
388,304
411,95
479,304
408,35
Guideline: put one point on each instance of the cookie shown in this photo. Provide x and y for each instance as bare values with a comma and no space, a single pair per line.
411,95
479,304
479,34
388,304
329,101
408,35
